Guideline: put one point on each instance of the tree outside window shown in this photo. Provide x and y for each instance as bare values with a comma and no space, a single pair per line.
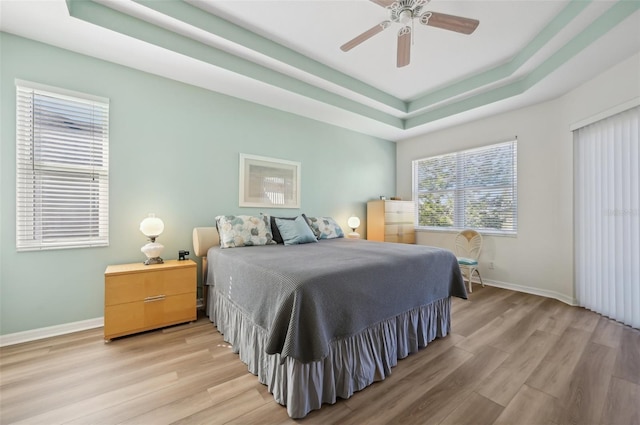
468,189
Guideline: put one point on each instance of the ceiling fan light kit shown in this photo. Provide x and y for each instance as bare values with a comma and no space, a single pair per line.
405,12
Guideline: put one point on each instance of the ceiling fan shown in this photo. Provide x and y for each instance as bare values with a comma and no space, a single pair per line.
404,12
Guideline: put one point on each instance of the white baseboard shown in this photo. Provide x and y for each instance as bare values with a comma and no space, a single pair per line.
529,290
41,333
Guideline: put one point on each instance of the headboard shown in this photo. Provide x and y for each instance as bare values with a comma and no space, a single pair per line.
203,239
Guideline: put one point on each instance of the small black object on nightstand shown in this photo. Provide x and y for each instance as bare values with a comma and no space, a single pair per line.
182,255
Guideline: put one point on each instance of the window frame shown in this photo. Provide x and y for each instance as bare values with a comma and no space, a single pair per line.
458,191
62,168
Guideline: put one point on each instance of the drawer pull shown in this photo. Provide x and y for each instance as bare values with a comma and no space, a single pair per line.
154,298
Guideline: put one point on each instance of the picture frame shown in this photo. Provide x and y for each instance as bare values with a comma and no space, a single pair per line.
269,182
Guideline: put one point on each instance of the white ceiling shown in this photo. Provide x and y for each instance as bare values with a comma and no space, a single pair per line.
317,29
285,54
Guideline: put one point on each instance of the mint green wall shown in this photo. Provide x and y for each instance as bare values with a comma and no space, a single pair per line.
173,151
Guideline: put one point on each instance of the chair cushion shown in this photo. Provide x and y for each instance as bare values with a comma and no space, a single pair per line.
467,261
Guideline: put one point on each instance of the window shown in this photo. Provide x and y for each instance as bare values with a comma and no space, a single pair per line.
62,153
475,189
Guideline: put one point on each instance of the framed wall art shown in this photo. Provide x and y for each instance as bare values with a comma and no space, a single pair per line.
269,182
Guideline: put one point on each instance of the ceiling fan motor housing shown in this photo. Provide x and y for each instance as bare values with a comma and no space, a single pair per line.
405,10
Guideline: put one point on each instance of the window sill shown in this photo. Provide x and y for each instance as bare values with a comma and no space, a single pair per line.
455,231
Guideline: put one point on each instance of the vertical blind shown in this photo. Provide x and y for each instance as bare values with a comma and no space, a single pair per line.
607,217
475,188
62,154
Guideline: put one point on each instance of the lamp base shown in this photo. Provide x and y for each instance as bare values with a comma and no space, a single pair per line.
152,251
353,235
154,260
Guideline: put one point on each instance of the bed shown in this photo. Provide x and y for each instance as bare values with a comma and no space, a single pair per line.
319,321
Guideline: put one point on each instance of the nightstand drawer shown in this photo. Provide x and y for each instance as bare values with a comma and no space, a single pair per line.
173,309
124,319
123,288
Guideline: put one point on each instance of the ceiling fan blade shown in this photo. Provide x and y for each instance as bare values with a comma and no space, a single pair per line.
383,3
364,36
404,47
449,22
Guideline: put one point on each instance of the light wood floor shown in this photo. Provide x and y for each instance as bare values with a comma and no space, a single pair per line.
512,358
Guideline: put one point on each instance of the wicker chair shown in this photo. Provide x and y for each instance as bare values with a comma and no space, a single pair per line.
467,249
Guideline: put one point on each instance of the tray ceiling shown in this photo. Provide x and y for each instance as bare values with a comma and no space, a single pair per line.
285,54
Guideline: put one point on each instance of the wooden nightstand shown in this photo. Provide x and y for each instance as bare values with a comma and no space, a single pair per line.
139,298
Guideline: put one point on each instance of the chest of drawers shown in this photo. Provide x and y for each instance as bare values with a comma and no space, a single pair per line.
391,221
139,298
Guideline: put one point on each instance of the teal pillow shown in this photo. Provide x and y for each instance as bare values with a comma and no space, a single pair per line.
296,231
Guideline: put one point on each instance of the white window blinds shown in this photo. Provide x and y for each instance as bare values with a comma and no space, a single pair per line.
475,189
62,150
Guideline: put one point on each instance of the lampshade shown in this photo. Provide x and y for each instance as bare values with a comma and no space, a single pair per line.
152,226
354,223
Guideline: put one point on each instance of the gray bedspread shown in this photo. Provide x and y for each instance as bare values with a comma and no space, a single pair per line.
305,296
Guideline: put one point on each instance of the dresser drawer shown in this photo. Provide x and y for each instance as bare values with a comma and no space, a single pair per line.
401,238
403,233
398,207
398,217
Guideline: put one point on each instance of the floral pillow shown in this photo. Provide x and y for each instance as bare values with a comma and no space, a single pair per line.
324,227
244,230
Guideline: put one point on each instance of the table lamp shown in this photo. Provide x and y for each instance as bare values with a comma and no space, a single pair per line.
152,227
354,223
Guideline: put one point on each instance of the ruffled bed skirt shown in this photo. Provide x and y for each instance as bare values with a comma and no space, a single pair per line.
353,363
